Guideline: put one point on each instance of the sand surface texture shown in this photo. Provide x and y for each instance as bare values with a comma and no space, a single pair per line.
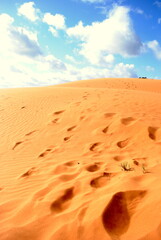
81,161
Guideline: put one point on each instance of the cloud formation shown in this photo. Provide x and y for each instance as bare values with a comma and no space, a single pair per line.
29,11
57,20
155,47
17,40
114,35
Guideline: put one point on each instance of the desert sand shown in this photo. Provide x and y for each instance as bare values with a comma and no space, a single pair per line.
81,161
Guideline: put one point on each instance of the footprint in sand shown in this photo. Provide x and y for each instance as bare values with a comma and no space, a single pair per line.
66,139
30,133
122,144
16,144
101,181
45,152
95,147
127,121
105,130
108,115
59,112
117,215
68,177
93,168
71,128
56,120
152,132
62,202
28,173
70,163
118,158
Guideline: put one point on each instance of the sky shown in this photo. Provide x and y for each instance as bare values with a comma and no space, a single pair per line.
50,42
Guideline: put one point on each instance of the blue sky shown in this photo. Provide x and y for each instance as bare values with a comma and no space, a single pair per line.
51,42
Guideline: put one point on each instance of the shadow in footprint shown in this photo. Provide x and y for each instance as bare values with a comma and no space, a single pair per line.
45,152
58,112
16,144
66,139
28,173
127,121
117,215
60,204
123,143
152,132
92,168
95,147
101,180
107,115
71,128
105,130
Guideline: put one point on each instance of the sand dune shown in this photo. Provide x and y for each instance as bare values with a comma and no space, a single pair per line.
81,161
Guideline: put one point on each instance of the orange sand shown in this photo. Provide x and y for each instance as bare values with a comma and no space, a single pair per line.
81,161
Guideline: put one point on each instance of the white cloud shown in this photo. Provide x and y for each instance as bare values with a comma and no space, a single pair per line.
17,40
155,47
40,74
57,20
53,31
29,11
114,35
23,63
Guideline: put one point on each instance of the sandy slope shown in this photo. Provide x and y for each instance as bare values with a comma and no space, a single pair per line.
62,154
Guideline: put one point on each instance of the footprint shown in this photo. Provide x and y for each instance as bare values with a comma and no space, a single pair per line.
116,216
107,115
60,204
18,143
59,112
152,132
67,138
45,152
118,158
70,164
30,133
101,180
28,173
127,121
55,120
105,130
82,117
94,147
92,168
67,177
71,128
123,143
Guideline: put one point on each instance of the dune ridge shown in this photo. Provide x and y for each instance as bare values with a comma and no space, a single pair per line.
81,161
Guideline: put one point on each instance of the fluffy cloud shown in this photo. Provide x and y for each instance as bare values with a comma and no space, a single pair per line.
17,40
155,47
29,11
24,64
43,74
114,35
53,31
57,20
